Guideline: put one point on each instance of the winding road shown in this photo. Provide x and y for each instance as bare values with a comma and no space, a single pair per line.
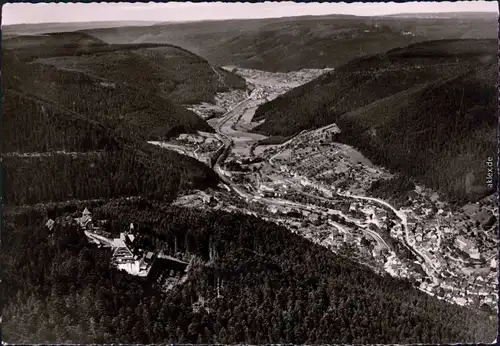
404,223
225,131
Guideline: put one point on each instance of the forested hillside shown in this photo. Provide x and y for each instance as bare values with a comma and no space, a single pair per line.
276,287
70,157
71,135
431,91
125,107
438,143
167,71
47,42
32,125
171,69
146,171
88,75
358,83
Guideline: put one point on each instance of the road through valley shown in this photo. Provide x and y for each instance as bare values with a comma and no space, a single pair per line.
224,129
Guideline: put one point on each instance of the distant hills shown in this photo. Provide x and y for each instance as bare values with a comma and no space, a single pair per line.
288,43
461,15
43,28
292,43
427,110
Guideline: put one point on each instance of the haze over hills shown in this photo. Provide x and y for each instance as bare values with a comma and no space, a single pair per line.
431,90
463,15
43,28
288,43
285,44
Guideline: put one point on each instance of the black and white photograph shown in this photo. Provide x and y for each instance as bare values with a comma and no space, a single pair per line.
249,173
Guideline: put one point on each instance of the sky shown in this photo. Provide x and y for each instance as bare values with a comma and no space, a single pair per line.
24,13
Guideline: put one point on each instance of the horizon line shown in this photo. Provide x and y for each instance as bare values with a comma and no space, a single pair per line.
153,22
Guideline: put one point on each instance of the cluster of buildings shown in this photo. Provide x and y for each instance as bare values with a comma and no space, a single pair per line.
468,246
333,165
131,258
266,191
432,225
203,146
206,110
428,233
459,248
87,224
258,93
128,253
227,99
407,33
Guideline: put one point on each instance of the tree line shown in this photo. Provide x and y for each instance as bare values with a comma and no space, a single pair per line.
147,171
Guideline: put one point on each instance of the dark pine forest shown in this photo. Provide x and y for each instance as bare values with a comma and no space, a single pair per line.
275,287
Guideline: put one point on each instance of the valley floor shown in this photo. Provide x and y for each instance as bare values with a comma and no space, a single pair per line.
320,189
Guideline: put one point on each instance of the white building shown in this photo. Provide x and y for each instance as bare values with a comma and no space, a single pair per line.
464,244
50,224
493,264
474,254
265,188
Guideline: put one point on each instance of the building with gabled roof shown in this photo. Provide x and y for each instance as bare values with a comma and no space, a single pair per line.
86,220
493,264
131,238
464,244
123,255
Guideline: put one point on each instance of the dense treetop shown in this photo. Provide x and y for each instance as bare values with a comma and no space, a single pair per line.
275,287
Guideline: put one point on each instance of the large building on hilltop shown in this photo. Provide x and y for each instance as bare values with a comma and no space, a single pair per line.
128,254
